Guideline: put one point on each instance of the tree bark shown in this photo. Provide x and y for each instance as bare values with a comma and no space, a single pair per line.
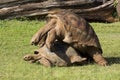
118,8
30,8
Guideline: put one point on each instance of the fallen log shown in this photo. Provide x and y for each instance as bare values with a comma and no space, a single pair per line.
30,8
118,8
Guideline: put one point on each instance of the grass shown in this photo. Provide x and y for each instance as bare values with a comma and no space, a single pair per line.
14,44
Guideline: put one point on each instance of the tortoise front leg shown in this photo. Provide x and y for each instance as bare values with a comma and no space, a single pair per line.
77,59
51,39
36,37
32,58
45,62
40,35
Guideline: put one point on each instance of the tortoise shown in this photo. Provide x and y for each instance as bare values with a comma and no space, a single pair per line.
63,55
68,27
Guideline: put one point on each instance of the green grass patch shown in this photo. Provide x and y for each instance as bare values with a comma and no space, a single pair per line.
15,43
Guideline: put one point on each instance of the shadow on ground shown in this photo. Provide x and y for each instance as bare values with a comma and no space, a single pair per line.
113,60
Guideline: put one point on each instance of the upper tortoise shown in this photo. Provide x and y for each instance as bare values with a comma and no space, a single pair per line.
68,27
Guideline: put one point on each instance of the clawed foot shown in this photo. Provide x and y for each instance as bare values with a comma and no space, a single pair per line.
103,63
77,59
29,58
100,60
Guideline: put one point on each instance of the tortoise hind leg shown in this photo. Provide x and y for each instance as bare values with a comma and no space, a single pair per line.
97,56
99,59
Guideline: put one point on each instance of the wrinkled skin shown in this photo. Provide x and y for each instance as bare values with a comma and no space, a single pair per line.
40,36
63,55
76,32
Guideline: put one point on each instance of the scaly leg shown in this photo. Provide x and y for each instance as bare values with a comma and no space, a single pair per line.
51,39
97,56
45,62
40,35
